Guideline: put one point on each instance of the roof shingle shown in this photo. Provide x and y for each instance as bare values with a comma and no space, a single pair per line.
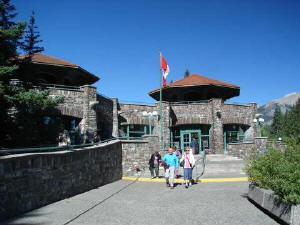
42,58
196,80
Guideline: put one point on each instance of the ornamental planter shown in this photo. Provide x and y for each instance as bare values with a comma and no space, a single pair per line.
266,199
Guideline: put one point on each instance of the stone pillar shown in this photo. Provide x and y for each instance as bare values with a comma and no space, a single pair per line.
251,133
165,124
115,130
217,126
88,123
261,143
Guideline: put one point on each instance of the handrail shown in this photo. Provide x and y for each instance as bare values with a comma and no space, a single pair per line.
124,102
59,86
50,148
190,102
236,103
203,164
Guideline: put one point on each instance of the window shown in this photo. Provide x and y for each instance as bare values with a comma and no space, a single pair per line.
134,131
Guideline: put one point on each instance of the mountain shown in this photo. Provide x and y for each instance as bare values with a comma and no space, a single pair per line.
284,103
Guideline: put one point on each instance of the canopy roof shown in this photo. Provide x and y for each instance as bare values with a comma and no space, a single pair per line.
196,87
64,72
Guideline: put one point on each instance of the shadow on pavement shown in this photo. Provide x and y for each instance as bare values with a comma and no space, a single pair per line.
30,216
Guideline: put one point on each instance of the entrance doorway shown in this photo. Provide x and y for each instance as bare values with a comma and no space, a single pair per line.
190,138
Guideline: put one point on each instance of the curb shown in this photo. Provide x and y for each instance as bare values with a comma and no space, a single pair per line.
203,180
267,200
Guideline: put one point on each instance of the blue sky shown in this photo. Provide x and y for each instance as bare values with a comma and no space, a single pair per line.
253,44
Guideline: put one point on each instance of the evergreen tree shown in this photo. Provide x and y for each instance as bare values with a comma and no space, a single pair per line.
186,73
10,35
23,109
32,38
291,126
276,126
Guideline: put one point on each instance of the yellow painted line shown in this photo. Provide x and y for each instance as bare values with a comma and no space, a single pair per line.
235,179
204,180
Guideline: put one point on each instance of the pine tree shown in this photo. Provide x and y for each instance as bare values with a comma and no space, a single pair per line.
10,35
276,126
21,108
186,73
32,38
292,122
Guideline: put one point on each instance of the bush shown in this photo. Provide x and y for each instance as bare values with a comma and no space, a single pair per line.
278,171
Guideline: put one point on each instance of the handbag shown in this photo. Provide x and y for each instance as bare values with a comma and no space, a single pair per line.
182,163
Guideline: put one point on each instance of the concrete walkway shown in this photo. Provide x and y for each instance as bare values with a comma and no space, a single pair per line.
129,202
219,197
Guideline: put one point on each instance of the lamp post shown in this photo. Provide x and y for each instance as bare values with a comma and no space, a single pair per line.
258,121
150,116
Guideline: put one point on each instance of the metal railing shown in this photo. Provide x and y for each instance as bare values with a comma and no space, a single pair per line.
236,103
191,102
197,165
12,151
61,86
124,102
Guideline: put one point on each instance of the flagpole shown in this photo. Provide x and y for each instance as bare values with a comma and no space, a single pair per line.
160,106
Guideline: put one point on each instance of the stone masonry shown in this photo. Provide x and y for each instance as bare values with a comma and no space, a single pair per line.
32,180
214,113
107,115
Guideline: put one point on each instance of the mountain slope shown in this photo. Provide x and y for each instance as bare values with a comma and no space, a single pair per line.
284,103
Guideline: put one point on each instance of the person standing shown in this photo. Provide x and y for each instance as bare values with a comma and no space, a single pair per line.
178,154
154,164
189,163
172,162
194,145
96,137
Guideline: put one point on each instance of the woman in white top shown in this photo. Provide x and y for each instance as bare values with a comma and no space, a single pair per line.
189,163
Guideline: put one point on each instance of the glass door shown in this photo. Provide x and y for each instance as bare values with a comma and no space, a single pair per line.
190,138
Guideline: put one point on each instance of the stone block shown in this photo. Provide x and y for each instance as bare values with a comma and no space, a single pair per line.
256,194
275,206
287,212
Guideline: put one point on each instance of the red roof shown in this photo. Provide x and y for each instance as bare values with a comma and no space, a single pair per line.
197,80
41,58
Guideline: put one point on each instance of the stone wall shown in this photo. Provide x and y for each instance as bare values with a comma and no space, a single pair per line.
136,153
73,100
32,180
237,114
243,149
79,102
240,149
105,116
196,113
133,113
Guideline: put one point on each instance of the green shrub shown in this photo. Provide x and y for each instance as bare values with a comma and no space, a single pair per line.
278,171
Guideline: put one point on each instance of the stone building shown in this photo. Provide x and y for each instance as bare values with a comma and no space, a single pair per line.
83,109
193,108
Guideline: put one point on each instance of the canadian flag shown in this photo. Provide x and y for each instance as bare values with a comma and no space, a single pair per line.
165,68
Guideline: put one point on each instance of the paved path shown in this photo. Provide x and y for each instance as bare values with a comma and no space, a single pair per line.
128,202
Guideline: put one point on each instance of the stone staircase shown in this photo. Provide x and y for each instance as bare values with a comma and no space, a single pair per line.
223,166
